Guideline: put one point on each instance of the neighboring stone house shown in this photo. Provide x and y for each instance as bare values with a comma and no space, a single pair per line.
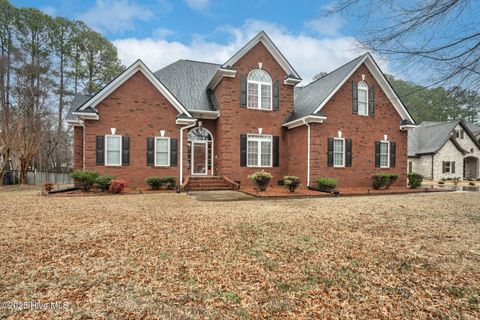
222,122
439,150
475,129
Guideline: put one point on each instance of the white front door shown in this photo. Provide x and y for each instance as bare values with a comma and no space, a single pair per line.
199,158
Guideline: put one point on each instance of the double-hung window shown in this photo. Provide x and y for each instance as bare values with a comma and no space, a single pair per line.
362,98
384,154
339,152
162,152
259,150
448,167
113,154
259,90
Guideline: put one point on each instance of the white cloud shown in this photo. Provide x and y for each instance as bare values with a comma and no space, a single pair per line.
307,54
161,33
198,4
115,15
328,25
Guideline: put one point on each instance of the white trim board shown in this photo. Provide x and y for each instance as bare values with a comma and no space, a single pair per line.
268,43
381,80
129,72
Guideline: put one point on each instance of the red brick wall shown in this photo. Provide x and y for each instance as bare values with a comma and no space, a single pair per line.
77,148
138,110
363,131
297,155
235,120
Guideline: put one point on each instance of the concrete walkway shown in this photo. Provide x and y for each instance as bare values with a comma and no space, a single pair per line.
220,195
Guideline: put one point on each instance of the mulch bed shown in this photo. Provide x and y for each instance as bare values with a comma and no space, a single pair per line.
279,191
99,193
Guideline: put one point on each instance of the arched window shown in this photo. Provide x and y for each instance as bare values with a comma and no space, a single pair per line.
259,90
199,134
362,98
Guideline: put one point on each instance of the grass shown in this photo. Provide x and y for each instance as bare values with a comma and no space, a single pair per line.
168,256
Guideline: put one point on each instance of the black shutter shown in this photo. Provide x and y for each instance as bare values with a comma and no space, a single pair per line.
150,151
243,150
462,134
393,154
276,95
348,148
330,152
377,154
371,105
173,152
100,150
453,167
276,151
354,98
125,151
443,167
243,91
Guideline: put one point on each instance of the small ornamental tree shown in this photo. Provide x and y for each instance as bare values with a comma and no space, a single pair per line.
85,178
291,182
117,186
261,179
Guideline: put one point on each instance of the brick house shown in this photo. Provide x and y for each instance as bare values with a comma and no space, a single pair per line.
439,150
222,122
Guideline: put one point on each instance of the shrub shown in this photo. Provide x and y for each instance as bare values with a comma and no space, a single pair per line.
85,178
441,182
471,183
478,179
154,182
443,179
456,180
390,179
291,182
327,183
414,180
47,187
469,179
169,182
103,181
261,179
380,180
117,186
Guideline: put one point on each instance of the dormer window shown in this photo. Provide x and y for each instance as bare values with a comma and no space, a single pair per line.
259,90
362,98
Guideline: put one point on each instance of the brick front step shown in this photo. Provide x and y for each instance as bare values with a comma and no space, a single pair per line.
208,183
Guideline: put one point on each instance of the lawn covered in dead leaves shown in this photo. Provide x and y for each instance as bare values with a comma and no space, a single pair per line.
167,256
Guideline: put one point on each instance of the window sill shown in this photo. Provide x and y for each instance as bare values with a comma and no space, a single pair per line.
257,109
257,167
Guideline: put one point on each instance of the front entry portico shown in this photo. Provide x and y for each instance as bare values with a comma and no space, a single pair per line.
200,151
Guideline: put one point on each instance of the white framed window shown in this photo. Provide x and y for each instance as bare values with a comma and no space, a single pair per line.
162,152
384,154
362,98
113,150
459,134
338,152
448,167
259,150
259,90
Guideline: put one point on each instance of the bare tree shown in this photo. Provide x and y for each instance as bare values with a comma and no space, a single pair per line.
439,36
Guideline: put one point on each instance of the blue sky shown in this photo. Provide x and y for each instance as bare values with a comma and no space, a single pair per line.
162,31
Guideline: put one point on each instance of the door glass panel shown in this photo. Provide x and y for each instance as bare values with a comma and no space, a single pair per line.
199,158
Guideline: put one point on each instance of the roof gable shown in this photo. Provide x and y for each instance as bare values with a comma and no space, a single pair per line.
124,76
315,96
268,43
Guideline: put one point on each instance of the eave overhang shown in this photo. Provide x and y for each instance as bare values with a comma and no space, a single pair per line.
304,120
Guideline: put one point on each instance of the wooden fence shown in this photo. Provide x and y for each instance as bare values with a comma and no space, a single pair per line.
41,177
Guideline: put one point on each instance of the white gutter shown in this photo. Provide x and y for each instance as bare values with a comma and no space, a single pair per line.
308,151
181,150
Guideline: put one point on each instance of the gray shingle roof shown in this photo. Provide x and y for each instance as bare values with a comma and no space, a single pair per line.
429,137
311,96
187,80
474,127
77,102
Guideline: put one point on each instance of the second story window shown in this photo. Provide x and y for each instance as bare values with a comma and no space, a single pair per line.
259,90
362,98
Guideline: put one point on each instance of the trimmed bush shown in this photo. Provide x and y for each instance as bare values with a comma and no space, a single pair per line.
85,178
291,182
103,181
261,179
117,186
169,182
391,177
380,180
441,182
327,183
471,183
154,182
478,179
414,180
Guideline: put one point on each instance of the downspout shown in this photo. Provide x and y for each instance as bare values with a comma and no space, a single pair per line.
83,147
308,152
433,155
181,150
